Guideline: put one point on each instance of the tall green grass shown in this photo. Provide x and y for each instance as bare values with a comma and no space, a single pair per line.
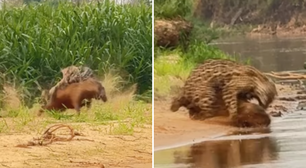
39,39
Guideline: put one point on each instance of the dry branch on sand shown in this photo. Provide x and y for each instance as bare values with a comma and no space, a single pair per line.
49,136
286,75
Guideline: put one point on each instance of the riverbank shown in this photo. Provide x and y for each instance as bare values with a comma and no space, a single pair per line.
176,129
280,32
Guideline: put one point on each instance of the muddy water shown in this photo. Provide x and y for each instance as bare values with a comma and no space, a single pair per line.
267,54
282,146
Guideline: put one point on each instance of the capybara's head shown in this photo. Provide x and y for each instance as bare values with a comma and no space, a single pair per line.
175,105
251,115
178,102
102,95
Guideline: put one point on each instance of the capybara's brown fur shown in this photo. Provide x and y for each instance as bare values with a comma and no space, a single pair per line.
251,115
71,74
73,96
248,114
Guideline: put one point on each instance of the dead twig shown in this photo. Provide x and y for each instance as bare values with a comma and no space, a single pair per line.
49,136
285,75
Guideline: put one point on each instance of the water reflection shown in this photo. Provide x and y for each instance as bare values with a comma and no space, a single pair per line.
221,153
228,153
233,153
281,146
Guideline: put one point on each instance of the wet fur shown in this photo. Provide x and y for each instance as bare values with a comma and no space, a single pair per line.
248,114
74,95
251,115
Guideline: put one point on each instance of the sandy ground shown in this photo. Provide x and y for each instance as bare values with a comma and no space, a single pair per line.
175,128
100,143
93,149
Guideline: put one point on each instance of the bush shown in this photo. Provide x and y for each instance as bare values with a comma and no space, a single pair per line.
39,39
199,51
198,48
172,8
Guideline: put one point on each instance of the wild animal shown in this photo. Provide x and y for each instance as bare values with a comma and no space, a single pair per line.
220,83
73,96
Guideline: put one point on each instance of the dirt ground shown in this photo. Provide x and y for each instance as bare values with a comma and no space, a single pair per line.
115,134
175,128
94,148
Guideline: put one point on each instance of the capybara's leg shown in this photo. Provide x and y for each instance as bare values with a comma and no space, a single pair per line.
78,109
77,105
88,104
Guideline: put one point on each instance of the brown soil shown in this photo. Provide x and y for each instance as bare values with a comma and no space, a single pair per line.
175,128
94,149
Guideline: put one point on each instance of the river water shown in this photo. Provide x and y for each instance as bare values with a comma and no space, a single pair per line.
267,53
283,146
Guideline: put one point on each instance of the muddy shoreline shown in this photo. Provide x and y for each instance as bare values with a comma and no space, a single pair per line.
176,129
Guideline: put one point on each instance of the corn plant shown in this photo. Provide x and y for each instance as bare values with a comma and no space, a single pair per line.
37,40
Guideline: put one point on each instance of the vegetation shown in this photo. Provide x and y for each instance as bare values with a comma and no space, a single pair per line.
201,35
171,67
111,116
37,40
172,8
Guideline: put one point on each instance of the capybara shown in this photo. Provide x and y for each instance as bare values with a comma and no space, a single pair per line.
251,115
248,114
71,74
73,96
216,79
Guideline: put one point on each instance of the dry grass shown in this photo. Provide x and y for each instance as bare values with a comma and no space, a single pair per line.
122,113
113,134
11,99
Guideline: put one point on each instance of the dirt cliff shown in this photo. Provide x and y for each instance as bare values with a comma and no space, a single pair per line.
270,16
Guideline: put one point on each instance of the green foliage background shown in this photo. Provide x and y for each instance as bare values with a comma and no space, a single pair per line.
38,39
